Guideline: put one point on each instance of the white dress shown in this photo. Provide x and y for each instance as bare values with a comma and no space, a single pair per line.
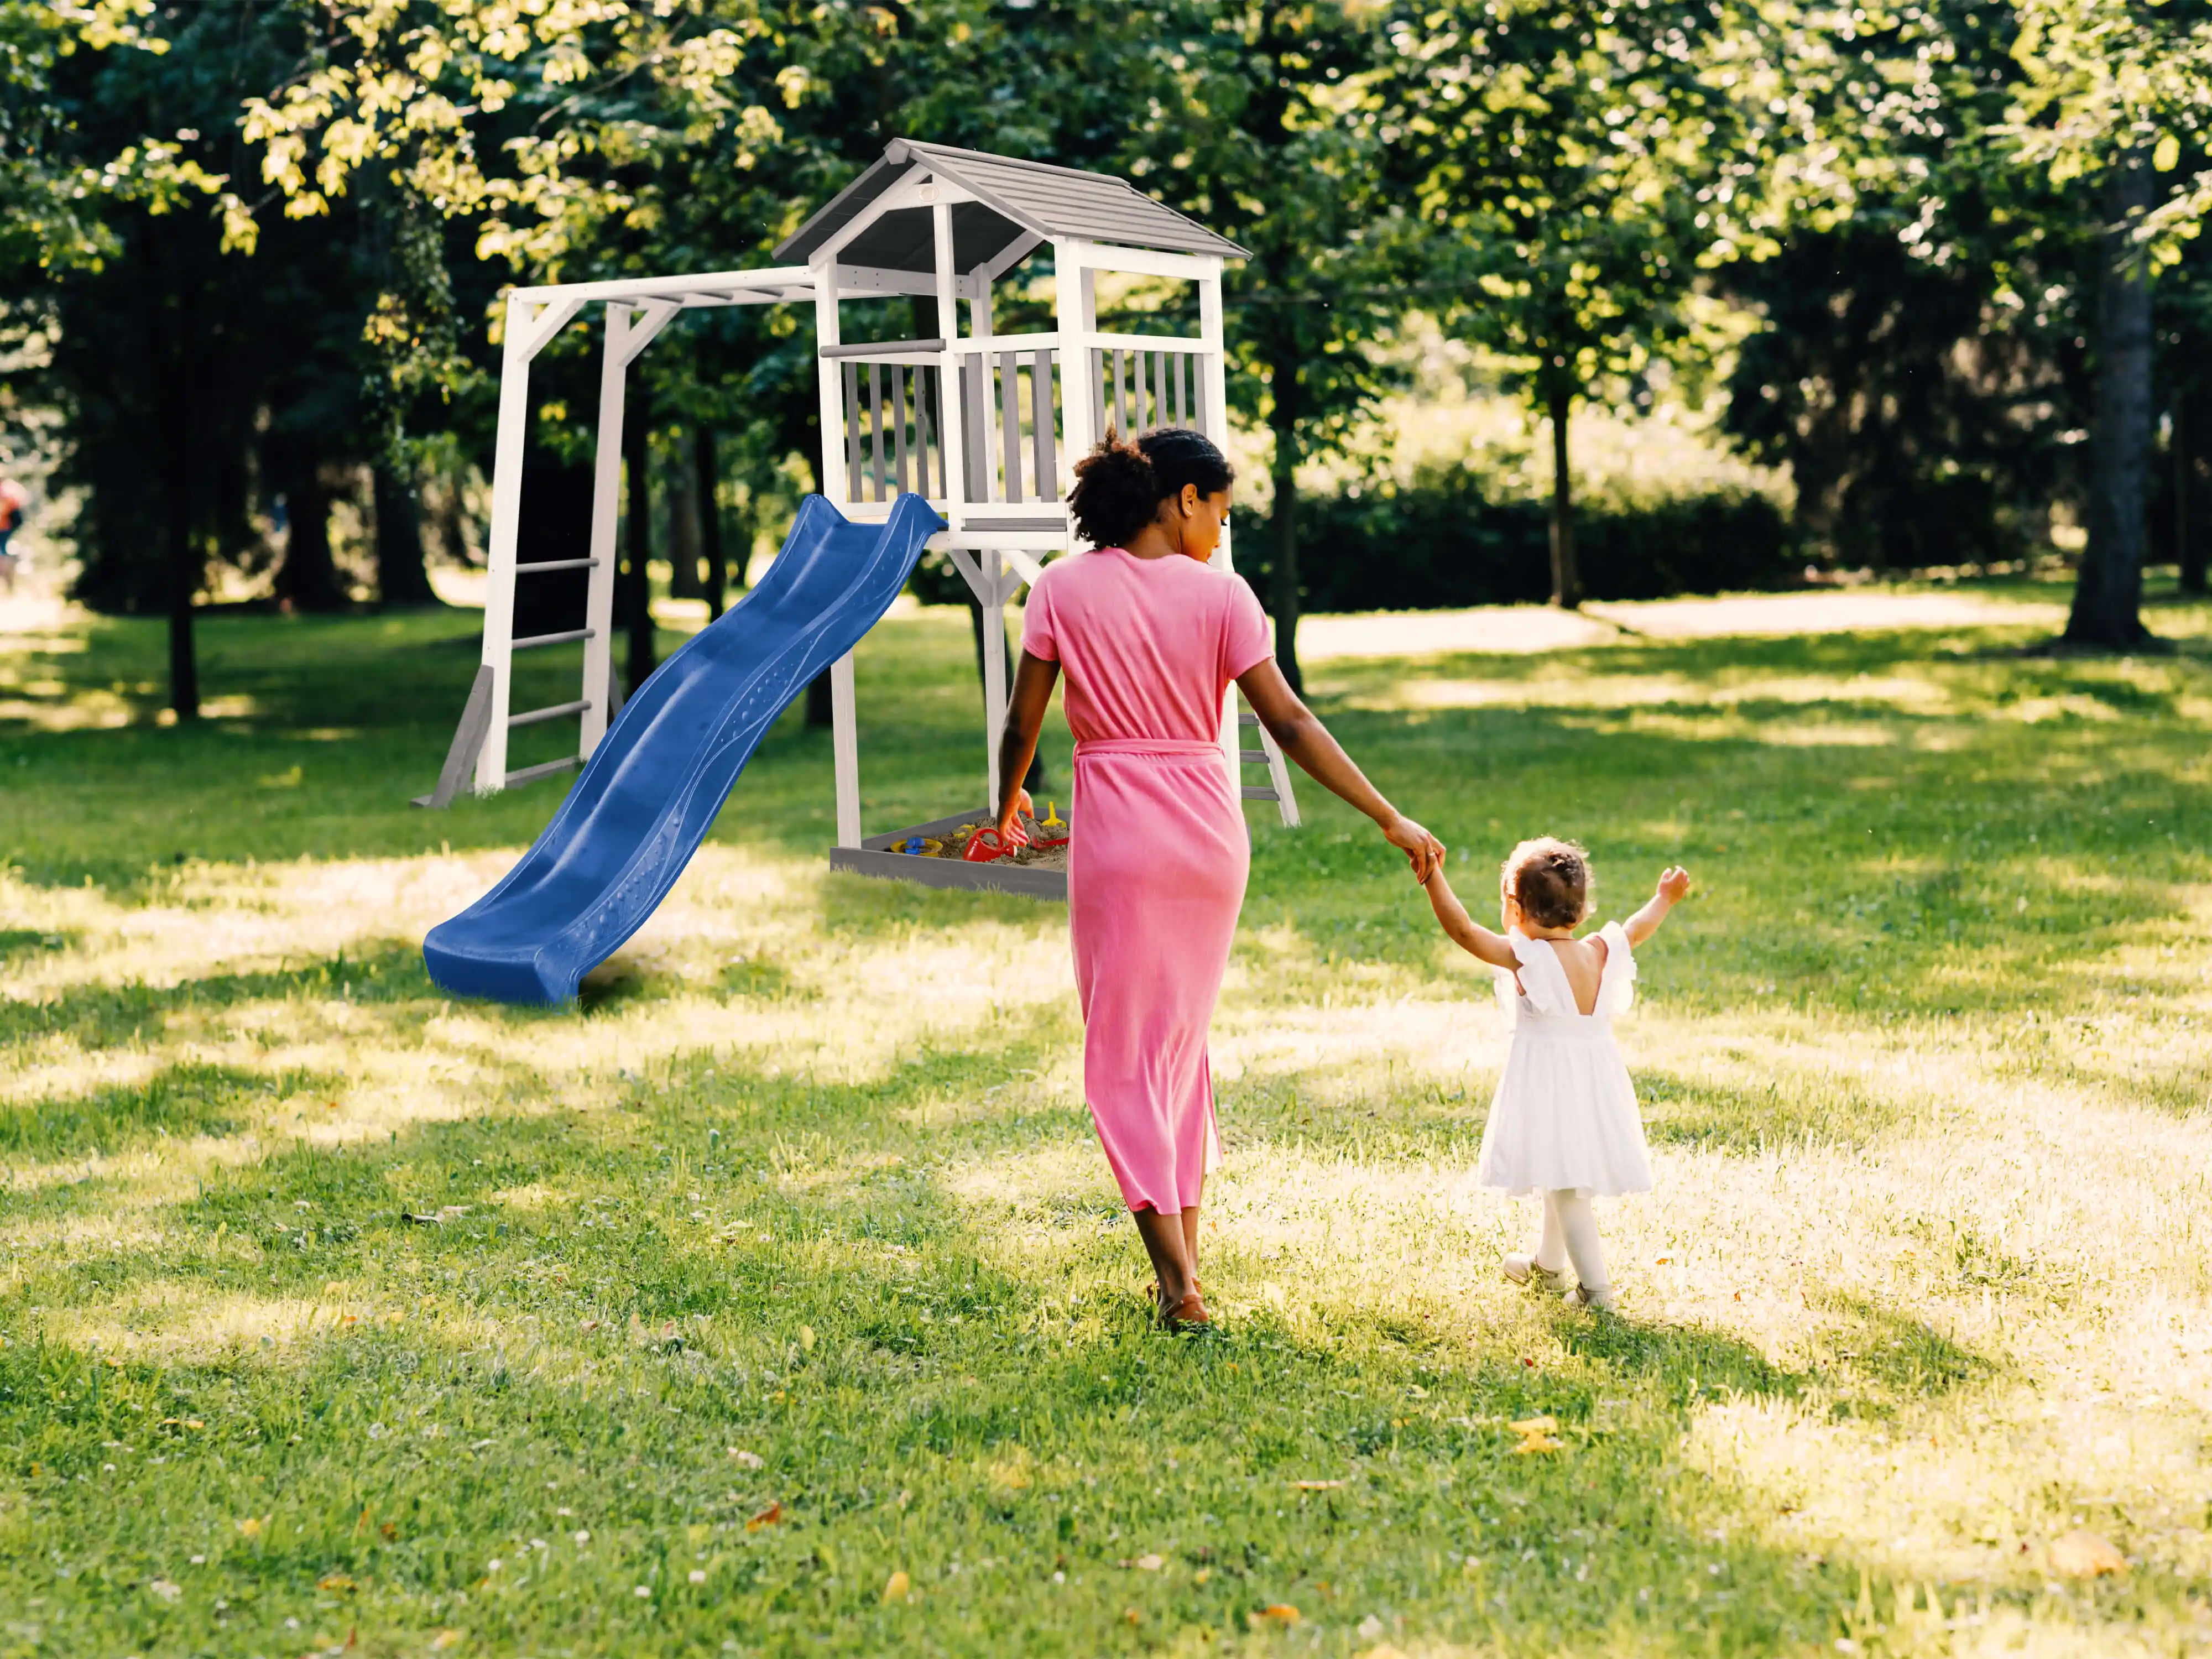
1565,1114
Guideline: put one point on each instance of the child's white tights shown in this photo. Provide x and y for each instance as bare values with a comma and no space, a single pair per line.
1569,1234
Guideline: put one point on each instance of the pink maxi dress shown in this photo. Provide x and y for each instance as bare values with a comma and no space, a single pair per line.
1159,860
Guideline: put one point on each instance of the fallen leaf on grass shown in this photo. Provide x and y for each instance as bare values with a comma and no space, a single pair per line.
1538,1434
1277,1613
446,1638
1146,1562
168,1589
896,1586
746,1460
767,1517
336,1581
2082,1554
1316,1485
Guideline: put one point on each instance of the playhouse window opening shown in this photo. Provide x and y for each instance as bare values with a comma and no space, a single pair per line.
1132,303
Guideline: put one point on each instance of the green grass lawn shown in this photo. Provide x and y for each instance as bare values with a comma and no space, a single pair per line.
778,1300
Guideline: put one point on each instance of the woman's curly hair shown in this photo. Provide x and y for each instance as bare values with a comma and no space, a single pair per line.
1119,485
1550,879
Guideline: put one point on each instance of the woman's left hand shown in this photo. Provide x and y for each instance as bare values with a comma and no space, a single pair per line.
1422,850
1010,821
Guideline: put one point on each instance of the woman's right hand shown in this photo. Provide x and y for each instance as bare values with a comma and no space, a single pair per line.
1422,850
1010,832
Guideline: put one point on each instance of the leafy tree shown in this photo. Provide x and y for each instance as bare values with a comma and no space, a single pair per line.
2110,95
1919,368
1577,165
1259,121
158,357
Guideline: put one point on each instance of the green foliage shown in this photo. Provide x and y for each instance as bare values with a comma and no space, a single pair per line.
1446,537
1575,167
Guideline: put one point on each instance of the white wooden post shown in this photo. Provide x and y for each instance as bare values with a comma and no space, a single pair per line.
1073,308
994,668
832,388
979,328
1214,398
515,353
845,750
954,415
844,713
606,492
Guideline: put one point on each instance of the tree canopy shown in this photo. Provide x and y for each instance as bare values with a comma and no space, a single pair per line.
1956,240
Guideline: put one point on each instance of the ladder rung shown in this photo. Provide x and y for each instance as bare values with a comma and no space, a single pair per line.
555,564
537,640
1253,757
550,712
531,773
1248,720
1262,792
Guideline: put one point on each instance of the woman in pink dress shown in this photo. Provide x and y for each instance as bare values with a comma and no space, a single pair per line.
1150,639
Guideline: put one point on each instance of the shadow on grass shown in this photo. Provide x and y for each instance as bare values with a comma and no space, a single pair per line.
1799,1109
96,1015
614,1304
16,943
178,1100
1893,1359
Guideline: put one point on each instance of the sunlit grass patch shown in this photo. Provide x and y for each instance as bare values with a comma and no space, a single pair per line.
786,1269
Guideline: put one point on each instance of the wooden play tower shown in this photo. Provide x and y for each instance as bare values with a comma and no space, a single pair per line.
986,424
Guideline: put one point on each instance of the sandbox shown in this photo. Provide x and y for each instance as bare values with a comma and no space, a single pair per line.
1037,871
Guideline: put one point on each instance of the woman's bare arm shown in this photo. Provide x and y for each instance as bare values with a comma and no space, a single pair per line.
1033,682
1466,932
1300,734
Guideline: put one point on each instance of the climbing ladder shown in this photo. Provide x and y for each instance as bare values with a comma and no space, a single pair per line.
1278,787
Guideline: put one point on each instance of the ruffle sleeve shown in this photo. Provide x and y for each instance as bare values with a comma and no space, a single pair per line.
1616,989
1542,980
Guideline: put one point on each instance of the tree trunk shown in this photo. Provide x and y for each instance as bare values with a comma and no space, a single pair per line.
2108,595
1566,575
308,578
401,579
1283,588
2189,548
637,576
184,582
707,474
680,489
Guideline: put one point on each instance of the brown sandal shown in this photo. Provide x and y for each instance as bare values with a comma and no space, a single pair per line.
1188,1314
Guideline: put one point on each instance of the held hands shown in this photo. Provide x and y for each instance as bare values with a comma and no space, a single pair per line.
1422,850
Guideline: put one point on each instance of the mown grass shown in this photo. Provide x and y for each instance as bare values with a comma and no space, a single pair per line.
689,1321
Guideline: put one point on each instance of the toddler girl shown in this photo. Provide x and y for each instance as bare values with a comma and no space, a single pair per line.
1563,1123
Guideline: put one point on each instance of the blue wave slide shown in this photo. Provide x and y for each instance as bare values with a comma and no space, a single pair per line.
646,796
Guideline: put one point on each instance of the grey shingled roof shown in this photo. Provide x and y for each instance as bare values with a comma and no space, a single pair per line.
1013,198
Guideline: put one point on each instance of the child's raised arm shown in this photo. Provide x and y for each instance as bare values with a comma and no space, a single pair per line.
1467,933
1674,883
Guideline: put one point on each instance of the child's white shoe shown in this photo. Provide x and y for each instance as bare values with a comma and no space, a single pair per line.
1582,1297
1521,1268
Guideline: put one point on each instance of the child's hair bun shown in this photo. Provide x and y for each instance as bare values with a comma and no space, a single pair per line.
1550,879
